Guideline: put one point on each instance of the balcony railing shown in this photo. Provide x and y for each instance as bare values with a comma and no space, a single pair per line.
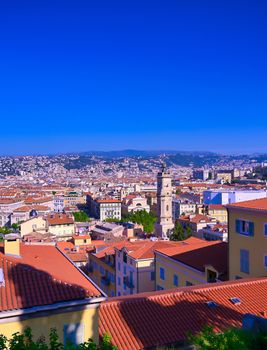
105,280
128,282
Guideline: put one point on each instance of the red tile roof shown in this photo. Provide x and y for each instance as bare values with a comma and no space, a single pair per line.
59,219
159,318
41,276
26,208
217,207
258,204
198,218
199,254
108,200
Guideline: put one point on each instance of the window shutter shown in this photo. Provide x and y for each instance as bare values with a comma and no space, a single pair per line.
244,261
237,226
251,228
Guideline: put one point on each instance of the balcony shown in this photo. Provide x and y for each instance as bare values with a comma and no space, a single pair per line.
105,280
128,282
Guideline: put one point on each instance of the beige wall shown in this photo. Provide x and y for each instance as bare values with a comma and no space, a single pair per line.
41,325
256,245
172,267
34,224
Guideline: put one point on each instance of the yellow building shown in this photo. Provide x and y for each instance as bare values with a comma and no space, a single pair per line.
135,266
42,289
35,224
247,225
218,211
101,267
190,262
61,225
72,199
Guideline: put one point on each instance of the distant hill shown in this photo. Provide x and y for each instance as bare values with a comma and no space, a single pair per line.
141,153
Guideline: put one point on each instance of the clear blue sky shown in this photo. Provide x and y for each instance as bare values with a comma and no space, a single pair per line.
104,75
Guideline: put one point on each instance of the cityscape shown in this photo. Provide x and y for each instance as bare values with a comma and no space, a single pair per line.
133,175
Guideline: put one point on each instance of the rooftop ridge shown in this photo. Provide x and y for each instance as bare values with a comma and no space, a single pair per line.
184,291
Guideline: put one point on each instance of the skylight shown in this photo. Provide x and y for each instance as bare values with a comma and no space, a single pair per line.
235,301
211,304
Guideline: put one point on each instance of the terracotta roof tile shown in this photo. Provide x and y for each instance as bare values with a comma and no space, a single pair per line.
200,254
159,318
258,204
59,219
41,276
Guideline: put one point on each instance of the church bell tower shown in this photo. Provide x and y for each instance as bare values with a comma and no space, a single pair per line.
164,203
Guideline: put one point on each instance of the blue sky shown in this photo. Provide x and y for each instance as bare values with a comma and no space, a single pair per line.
104,75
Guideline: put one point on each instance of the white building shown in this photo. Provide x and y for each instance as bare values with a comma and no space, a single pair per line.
7,206
108,209
222,196
179,208
134,203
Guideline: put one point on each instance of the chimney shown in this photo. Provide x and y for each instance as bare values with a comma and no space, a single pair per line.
12,244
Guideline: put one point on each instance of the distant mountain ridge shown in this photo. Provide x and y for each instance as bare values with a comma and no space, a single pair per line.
142,153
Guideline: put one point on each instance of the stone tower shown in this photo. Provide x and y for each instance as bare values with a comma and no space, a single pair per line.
164,203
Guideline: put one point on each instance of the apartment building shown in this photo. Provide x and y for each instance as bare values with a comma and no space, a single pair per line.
182,208
27,211
56,295
102,267
135,266
196,222
7,206
248,239
61,225
217,211
224,196
58,224
107,209
190,262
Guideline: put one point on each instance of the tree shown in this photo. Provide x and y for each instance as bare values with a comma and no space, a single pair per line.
25,341
112,220
81,216
178,233
231,339
15,226
188,231
5,230
142,217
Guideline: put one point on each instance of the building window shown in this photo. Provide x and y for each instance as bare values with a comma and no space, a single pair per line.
244,260
73,333
119,281
124,270
162,273
175,280
244,227
265,260
265,229
152,276
188,284
119,266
